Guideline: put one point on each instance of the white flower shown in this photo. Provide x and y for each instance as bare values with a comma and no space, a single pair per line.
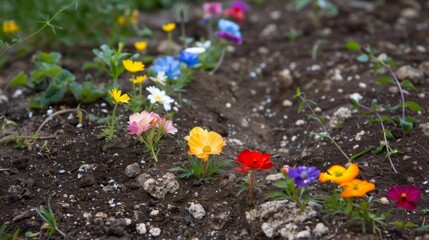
195,50
160,78
204,45
158,96
356,96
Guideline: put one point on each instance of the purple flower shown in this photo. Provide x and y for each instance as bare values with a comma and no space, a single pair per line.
229,30
188,58
303,176
239,4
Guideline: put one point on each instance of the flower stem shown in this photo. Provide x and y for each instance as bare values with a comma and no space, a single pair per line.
169,43
152,150
222,56
326,130
397,83
386,143
251,183
205,166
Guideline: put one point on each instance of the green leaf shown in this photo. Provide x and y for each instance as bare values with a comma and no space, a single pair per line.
20,80
300,106
379,149
388,134
52,57
413,106
86,92
361,153
321,134
353,46
301,4
386,80
407,84
406,125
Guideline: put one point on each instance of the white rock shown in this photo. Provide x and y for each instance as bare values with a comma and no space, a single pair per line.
384,200
269,30
274,15
287,103
3,99
409,13
407,72
228,105
154,212
303,234
141,228
320,230
274,177
299,122
197,211
17,93
359,135
159,188
155,232
362,85
339,116
286,77
425,128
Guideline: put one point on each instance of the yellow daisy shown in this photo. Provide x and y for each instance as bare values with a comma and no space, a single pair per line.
117,97
139,79
168,27
132,66
140,46
10,26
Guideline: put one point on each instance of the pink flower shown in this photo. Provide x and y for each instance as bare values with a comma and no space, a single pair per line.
141,122
166,125
405,196
212,9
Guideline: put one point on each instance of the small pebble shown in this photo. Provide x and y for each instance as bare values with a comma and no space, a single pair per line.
362,85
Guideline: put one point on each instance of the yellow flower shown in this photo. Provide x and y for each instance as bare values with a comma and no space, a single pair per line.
10,26
356,188
132,66
133,19
194,131
339,174
203,143
140,46
168,27
117,97
121,20
139,79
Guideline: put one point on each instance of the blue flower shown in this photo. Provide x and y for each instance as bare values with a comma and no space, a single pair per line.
303,176
188,58
168,65
229,30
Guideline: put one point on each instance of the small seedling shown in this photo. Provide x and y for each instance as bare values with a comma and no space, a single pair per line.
50,225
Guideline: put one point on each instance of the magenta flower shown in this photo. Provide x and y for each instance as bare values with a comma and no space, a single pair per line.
212,9
303,176
405,196
141,122
166,125
239,4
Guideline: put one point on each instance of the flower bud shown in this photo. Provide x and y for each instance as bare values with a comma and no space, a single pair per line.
285,169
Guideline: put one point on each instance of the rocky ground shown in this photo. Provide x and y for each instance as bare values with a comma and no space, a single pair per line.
102,190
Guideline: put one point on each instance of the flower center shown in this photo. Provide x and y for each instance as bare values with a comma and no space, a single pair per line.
158,97
207,149
356,186
338,173
255,161
303,175
404,196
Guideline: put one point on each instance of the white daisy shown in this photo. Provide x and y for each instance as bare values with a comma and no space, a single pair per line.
356,96
160,78
158,96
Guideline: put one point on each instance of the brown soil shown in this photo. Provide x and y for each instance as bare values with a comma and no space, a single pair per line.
248,112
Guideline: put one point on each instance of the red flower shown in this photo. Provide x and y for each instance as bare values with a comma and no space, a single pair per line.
235,13
253,160
405,196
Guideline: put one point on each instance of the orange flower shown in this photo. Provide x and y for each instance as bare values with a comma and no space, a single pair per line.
203,143
339,174
356,188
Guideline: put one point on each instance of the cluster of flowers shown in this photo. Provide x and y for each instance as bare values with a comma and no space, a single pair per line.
235,11
344,177
139,123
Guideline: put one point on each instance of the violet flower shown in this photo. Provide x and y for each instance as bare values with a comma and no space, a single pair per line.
229,30
303,176
239,4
